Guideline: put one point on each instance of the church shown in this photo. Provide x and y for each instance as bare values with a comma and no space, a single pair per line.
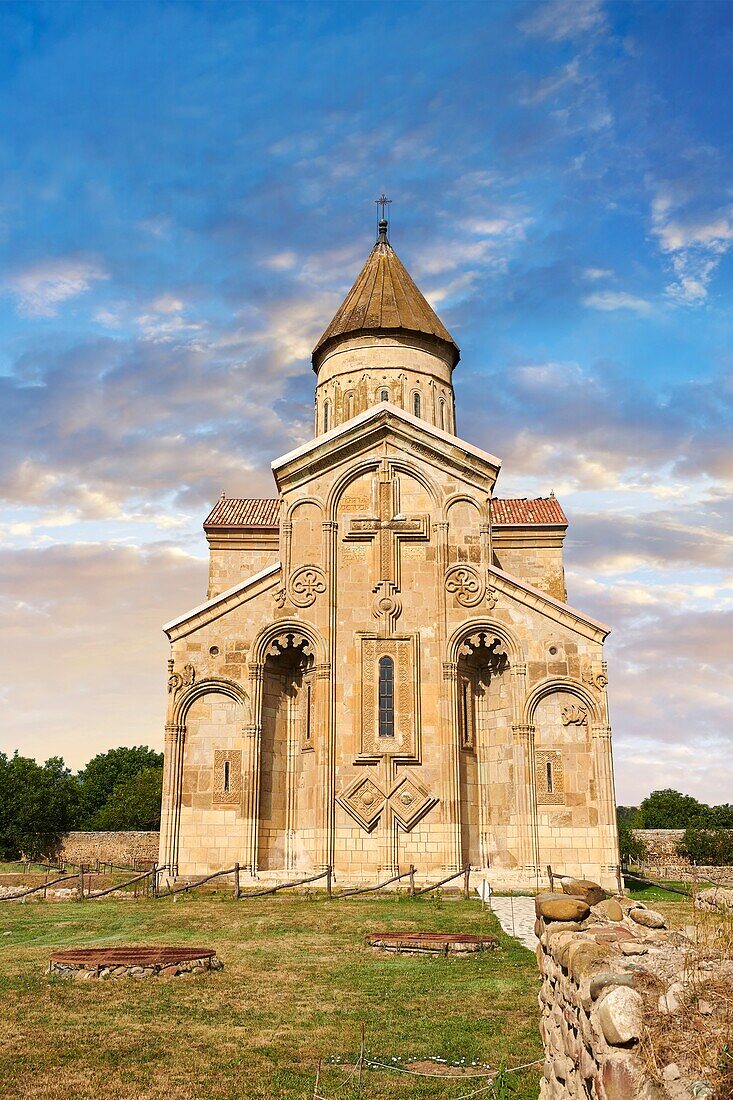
385,671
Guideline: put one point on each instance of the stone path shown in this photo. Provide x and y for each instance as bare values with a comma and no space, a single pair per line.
522,924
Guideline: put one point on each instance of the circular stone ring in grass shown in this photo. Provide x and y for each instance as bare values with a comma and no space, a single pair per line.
432,943
89,963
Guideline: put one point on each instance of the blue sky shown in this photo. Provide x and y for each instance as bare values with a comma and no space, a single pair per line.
186,192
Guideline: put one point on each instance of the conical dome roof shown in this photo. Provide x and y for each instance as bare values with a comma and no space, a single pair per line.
384,298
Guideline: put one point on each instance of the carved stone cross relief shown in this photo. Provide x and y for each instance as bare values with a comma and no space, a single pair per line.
387,530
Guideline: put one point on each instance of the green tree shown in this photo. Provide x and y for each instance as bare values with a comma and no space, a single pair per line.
134,803
38,805
708,847
668,809
106,771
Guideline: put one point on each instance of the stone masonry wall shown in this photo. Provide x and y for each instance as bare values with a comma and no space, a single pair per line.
610,972
123,849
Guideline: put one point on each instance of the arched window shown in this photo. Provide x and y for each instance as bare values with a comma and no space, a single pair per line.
227,777
350,405
386,697
548,765
384,395
326,409
442,414
416,404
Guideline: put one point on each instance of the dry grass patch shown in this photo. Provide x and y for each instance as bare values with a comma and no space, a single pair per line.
298,983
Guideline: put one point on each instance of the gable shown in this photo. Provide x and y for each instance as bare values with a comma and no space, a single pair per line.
387,423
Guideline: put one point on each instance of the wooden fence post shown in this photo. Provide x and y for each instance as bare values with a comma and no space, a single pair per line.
237,891
551,878
412,880
329,885
467,881
80,884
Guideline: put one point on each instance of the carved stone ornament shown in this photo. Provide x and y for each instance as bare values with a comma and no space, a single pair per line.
306,584
574,716
596,679
465,583
179,680
365,801
410,800
280,597
290,643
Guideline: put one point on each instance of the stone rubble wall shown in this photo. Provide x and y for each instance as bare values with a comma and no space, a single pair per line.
661,856
102,973
603,964
717,899
133,849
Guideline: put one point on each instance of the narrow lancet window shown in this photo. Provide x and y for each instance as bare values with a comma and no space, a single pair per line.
549,776
466,713
308,702
386,697
227,777
384,395
416,404
326,409
442,414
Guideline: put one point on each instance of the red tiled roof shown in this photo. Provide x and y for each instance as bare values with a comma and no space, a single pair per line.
250,512
537,512
255,512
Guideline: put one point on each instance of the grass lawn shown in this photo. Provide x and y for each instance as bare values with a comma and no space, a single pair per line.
298,983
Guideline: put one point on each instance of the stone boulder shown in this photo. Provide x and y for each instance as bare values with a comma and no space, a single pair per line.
649,918
590,892
620,1015
608,910
560,907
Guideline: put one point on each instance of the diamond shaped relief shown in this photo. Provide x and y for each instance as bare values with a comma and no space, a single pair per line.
410,801
364,800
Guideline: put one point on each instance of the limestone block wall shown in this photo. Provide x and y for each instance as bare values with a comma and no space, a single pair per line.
122,849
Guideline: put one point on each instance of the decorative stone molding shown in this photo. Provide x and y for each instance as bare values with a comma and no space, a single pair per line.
289,643
404,652
306,584
594,677
550,777
177,681
220,795
408,799
575,715
464,582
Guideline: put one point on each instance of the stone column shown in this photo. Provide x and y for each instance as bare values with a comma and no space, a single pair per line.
453,785
251,778
607,828
525,795
321,711
171,801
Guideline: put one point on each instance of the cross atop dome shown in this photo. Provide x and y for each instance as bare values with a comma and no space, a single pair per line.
383,224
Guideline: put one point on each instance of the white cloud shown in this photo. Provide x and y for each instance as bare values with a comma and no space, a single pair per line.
565,19
40,288
595,273
693,236
617,299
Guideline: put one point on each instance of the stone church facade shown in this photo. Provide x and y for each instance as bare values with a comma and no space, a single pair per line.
386,671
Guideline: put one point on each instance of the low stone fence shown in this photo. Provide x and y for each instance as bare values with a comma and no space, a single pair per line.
133,849
617,985
663,860
717,899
